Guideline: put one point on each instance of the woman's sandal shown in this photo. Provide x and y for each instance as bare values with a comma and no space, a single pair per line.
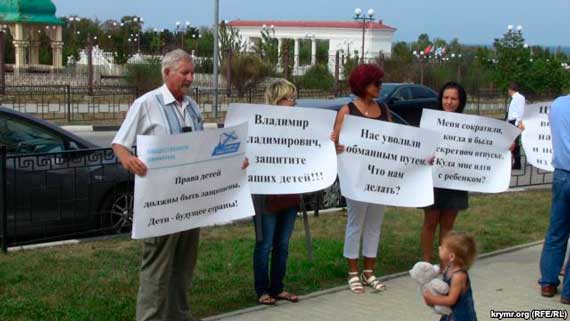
372,281
354,283
287,296
266,299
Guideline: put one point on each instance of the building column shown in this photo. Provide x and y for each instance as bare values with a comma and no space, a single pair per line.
56,53
313,51
296,55
250,44
20,46
279,44
57,48
34,46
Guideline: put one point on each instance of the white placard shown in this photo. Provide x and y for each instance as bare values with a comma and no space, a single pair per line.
386,163
474,153
289,149
193,180
536,136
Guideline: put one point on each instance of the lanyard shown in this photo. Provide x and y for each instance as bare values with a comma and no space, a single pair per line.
182,115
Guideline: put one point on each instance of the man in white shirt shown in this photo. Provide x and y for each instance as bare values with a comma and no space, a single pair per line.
167,261
514,116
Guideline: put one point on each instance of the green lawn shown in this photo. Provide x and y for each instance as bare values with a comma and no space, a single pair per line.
99,280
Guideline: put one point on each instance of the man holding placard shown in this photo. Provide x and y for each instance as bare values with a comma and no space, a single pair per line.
558,232
167,261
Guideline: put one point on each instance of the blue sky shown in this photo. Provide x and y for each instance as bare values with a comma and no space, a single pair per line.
473,22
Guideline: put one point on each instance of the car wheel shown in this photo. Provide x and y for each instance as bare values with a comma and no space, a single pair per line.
118,211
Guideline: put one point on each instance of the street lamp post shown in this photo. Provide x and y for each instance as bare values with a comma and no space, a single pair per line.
216,57
359,17
181,31
457,58
195,38
138,23
72,21
420,57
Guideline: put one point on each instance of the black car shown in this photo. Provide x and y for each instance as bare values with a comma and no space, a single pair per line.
406,100
58,184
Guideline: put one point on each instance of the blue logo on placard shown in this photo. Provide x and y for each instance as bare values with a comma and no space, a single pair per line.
228,143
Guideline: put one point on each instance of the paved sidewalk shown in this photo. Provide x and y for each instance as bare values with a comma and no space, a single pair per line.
501,282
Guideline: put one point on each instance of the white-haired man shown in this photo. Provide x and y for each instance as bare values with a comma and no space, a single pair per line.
167,261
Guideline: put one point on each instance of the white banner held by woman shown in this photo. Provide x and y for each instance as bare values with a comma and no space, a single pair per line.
289,149
386,163
536,136
474,153
193,180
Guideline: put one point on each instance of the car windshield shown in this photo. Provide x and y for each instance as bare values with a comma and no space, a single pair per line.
386,90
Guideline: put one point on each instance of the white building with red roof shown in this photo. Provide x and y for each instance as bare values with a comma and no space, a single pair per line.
342,36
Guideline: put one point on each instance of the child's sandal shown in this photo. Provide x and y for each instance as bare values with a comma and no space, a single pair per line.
354,283
372,281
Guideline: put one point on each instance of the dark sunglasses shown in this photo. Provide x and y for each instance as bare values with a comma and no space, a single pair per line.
379,83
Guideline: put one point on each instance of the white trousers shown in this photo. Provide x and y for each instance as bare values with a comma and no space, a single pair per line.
364,221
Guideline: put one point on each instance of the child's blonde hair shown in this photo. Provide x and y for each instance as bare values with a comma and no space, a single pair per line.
463,246
278,90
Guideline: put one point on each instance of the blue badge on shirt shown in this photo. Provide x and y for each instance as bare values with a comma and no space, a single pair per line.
228,143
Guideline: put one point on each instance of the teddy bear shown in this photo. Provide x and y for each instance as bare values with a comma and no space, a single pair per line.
425,274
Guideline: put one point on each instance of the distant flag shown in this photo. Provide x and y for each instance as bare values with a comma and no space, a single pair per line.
438,51
443,51
427,50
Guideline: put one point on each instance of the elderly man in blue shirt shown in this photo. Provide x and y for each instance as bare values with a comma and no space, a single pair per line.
558,232
168,261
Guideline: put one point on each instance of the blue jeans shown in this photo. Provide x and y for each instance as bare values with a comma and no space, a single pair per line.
556,239
277,230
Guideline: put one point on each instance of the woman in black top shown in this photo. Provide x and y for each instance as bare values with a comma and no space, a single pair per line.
364,219
447,202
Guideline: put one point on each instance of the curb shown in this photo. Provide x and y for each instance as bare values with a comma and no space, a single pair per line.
67,242
229,315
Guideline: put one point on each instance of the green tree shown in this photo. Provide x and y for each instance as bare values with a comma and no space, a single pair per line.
402,52
230,40
266,47
144,76
350,63
512,59
422,42
546,75
317,77
454,46
247,71
439,43
323,52
205,44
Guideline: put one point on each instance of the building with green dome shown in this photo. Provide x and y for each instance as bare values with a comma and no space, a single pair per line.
26,19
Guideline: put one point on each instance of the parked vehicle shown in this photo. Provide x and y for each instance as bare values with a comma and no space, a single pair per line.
59,184
406,100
